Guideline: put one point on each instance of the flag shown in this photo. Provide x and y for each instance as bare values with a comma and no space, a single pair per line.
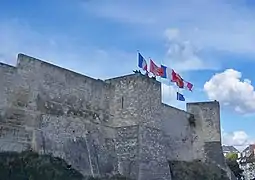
180,97
157,71
142,62
167,72
189,86
177,79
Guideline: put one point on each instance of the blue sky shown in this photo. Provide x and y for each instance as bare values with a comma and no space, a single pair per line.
211,43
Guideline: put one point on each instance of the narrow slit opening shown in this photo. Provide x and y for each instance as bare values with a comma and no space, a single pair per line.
122,102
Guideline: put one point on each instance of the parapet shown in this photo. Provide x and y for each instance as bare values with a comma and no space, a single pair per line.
3,65
135,77
207,115
138,91
203,104
7,68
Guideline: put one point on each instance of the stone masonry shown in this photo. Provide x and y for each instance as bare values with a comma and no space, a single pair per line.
118,125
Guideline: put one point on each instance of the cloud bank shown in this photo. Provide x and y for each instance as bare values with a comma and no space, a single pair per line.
228,88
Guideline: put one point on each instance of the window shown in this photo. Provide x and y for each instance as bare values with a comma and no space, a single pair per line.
122,102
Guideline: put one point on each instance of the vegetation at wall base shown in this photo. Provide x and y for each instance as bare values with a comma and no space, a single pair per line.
32,166
231,160
29,165
196,170
114,177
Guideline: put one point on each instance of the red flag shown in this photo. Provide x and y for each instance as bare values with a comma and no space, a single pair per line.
189,86
177,78
157,71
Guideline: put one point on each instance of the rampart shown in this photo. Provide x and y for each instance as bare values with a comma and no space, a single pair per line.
100,127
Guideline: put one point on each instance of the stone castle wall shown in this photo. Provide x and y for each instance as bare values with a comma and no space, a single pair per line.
116,125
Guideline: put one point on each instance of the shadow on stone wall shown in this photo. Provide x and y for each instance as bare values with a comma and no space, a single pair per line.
114,177
196,170
33,166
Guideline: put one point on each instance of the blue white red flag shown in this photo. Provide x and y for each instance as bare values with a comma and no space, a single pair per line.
167,72
188,85
142,62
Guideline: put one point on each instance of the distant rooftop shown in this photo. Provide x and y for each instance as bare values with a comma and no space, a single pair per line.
249,147
229,149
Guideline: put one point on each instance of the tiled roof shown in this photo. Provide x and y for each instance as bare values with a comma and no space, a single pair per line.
229,149
251,147
246,149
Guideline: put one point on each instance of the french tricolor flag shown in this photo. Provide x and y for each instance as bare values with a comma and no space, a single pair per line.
142,62
167,72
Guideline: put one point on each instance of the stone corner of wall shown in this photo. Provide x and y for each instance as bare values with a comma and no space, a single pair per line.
22,55
169,107
119,78
7,66
205,103
23,60
134,77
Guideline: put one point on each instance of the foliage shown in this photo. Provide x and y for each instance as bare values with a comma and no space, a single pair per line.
232,156
234,166
114,177
196,170
231,160
32,166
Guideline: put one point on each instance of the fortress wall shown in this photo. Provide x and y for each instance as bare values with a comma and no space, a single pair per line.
124,101
86,146
136,99
208,139
150,102
178,131
13,136
50,107
141,121
102,126
127,150
7,77
153,154
142,105
60,86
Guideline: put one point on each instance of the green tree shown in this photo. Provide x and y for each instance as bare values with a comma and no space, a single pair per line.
232,156
231,160
32,166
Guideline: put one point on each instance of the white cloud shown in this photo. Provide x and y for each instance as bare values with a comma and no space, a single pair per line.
183,55
228,88
239,139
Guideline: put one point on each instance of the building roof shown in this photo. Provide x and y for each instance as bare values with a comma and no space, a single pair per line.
229,149
250,147
248,154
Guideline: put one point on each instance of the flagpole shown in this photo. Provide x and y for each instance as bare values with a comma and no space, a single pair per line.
137,53
178,92
161,63
137,57
149,67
